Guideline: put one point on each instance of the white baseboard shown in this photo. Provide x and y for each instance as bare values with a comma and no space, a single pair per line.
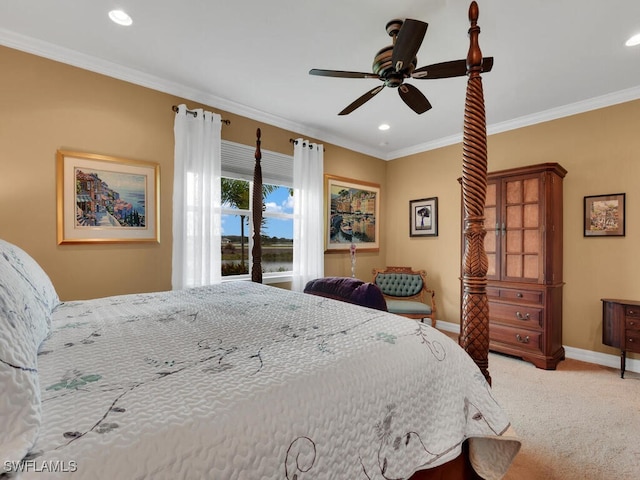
589,356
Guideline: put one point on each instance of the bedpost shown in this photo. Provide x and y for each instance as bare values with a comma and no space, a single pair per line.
256,251
474,331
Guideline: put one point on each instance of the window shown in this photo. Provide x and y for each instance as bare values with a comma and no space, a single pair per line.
237,228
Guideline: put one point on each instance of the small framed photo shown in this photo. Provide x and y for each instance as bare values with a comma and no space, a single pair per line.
423,217
604,215
102,199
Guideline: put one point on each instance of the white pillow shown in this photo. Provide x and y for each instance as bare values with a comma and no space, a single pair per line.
27,298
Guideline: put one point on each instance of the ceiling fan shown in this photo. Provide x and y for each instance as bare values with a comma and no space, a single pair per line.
397,62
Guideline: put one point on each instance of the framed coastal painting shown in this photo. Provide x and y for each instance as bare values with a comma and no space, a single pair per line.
423,217
604,215
103,199
352,215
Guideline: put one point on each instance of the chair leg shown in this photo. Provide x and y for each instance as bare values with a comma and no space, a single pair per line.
433,321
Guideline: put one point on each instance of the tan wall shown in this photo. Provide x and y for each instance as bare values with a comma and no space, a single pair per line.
600,151
349,165
48,106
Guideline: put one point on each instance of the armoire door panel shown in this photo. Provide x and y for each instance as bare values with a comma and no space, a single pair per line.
490,218
513,266
491,270
513,217
513,192
532,243
531,216
531,190
531,267
514,241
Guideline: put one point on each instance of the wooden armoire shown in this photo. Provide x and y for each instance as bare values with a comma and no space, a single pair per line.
523,221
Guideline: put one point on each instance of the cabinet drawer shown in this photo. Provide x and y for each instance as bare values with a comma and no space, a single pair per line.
631,311
632,323
521,295
529,296
632,341
493,292
516,337
517,315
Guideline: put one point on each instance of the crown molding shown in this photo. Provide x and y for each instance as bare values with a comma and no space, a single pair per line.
595,103
110,69
137,77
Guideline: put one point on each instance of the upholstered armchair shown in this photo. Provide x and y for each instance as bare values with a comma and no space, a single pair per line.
406,292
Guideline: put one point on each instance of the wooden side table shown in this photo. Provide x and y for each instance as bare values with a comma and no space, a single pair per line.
621,327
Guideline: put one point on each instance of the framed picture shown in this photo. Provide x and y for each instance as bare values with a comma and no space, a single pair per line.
353,215
423,217
102,199
604,215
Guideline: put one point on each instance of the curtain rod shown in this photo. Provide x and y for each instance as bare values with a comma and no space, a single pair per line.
195,114
295,142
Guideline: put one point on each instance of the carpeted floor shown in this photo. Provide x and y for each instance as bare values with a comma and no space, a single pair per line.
581,421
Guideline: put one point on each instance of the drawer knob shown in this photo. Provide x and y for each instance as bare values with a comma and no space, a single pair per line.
632,323
632,312
519,316
522,340
630,340
519,295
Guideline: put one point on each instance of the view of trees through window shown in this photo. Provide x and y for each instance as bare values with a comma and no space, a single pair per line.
276,229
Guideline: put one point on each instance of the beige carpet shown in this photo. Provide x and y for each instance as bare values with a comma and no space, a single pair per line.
581,421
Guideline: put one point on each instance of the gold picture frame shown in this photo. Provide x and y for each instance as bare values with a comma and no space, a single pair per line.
352,215
104,199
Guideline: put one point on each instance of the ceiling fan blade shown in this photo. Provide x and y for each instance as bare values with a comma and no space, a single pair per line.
408,43
362,100
341,74
454,68
414,98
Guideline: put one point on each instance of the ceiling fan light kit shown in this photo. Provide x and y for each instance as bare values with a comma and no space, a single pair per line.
397,62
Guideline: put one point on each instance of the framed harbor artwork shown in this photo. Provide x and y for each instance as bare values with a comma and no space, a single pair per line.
103,199
604,215
423,217
352,215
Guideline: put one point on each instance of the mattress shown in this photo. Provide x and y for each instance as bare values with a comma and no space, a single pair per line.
245,381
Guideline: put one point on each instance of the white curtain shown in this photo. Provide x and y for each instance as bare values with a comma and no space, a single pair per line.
196,199
308,227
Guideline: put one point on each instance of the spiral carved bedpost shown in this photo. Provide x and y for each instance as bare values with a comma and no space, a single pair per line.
256,251
474,332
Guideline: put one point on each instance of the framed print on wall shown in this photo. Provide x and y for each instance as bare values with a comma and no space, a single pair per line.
102,199
353,215
604,215
423,217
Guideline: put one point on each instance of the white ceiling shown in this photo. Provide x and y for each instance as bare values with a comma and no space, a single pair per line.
252,57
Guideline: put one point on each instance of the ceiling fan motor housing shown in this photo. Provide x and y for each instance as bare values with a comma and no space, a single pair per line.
383,67
393,27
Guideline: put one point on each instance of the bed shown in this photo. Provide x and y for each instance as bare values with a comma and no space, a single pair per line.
244,381
231,381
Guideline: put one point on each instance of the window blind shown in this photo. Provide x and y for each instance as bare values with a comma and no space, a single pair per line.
238,161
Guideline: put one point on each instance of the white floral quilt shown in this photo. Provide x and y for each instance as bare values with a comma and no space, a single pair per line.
245,381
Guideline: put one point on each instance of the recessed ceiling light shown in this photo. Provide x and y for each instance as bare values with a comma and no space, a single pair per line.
384,126
635,40
120,17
